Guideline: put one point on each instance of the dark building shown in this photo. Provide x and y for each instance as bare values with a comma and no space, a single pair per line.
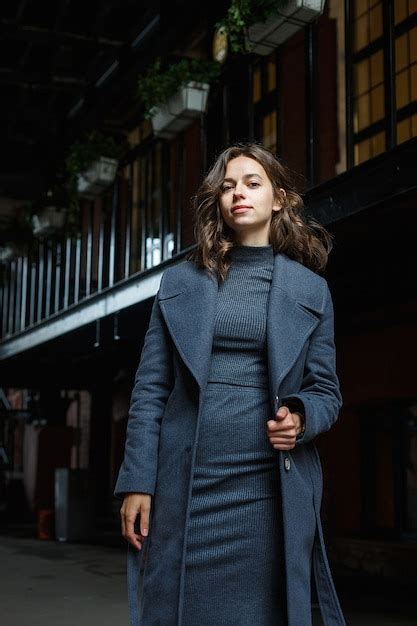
336,98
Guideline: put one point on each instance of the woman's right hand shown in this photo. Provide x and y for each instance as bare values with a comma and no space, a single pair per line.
135,504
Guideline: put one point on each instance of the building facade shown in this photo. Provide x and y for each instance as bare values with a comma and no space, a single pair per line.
337,100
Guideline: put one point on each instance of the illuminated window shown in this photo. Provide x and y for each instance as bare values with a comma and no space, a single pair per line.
405,75
368,22
368,80
265,100
368,91
269,131
403,9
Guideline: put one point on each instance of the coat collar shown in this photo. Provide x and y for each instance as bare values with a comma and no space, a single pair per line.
187,298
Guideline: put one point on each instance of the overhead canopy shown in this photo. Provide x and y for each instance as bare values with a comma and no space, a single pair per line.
58,62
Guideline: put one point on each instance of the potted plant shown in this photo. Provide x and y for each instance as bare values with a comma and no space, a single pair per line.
174,97
16,238
259,26
91,166
51,217
92,163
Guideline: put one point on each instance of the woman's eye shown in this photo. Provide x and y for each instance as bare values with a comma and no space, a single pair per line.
254,183
225,188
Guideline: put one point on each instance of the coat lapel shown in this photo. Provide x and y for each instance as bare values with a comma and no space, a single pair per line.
188,304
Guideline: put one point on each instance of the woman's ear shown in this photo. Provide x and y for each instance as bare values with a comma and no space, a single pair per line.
278,202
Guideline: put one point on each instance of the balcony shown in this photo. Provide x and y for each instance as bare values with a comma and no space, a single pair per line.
127,235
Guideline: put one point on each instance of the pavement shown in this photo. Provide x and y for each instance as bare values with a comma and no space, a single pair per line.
49,583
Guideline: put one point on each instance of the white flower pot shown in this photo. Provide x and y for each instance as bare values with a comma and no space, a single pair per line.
180,110
48,221
11,251
97,178
292,17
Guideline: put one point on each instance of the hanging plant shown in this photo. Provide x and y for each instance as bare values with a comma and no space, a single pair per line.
51,215
16,238
243,13
158,85
82,155
259,26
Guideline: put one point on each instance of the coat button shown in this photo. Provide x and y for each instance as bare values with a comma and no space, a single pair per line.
287,463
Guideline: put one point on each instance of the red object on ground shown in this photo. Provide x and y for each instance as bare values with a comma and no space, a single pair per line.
46,524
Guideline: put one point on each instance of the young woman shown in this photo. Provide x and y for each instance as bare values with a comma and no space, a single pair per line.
221,481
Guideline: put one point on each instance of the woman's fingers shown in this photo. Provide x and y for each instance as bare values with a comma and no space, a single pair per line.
144,519
130,534
135,507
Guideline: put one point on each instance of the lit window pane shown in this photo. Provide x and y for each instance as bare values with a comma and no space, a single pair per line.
363,151
401,52
271,74
378,143
402,89
256,84
375,22
362,112
413,70
413,44
377,68
377,102
269,130
362,77
403,130
361,32
360,7
400,10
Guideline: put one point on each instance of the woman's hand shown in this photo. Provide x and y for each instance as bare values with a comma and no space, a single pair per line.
283,430
135,504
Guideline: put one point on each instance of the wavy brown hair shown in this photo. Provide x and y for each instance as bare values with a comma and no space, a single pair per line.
292,232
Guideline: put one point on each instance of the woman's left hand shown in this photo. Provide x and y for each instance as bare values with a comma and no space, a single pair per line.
283,430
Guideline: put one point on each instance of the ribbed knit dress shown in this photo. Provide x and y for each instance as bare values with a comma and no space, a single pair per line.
234,574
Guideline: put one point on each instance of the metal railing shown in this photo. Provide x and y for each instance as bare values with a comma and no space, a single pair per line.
123,233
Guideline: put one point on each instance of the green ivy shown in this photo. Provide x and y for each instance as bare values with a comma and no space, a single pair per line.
80,157
244,13
158,85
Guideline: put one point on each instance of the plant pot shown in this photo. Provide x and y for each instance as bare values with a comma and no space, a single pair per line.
11,251
180,110
97,178
48,221
292,17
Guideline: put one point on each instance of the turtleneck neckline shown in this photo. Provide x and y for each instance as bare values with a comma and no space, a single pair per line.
251,254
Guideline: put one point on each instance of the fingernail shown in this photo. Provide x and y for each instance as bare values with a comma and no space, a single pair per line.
145,532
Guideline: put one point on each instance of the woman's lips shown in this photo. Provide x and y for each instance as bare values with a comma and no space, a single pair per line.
241,209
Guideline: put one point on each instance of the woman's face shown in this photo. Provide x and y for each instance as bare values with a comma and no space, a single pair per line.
246,185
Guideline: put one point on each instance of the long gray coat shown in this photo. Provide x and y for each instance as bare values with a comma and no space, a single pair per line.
163,429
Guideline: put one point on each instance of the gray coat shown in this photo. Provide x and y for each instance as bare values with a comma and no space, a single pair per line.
163,431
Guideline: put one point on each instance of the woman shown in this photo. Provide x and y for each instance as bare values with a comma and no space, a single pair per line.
237,377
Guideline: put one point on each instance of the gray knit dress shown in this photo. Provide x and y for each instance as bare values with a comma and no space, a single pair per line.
234,574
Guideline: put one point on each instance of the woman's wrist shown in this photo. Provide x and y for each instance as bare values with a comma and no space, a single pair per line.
301,427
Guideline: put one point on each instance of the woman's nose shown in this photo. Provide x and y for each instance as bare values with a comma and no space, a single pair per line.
239,190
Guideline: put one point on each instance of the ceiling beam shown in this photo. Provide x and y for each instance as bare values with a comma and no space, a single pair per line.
37,80
38,34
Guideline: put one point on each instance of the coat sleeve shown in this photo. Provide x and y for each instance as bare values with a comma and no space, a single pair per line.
153,384
319,398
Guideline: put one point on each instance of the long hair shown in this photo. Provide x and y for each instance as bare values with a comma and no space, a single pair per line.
299,236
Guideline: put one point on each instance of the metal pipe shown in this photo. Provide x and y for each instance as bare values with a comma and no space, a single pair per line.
349,83
389,73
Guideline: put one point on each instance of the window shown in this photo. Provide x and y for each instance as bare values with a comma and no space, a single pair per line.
265,101
372,84
406,68
368,80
